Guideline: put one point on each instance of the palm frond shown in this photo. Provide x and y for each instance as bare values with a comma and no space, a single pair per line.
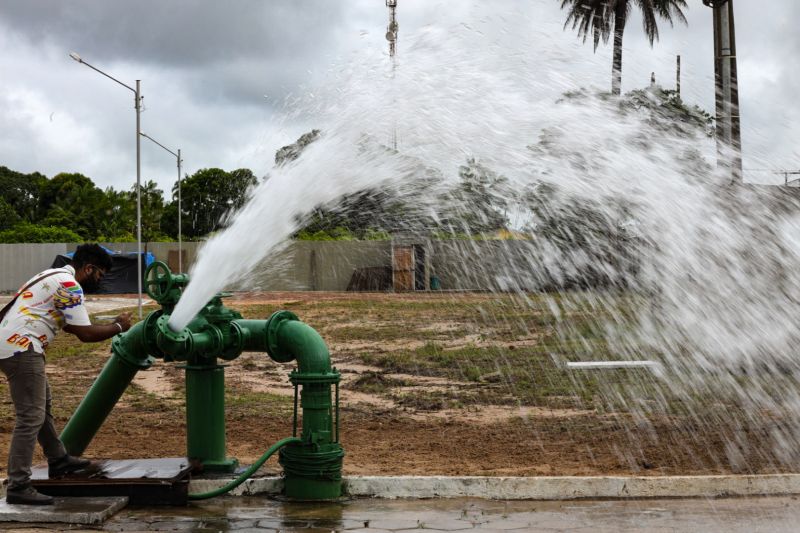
667,10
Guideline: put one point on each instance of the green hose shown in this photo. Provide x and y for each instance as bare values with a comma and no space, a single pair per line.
247,473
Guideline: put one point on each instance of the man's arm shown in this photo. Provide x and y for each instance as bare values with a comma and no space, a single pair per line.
100,332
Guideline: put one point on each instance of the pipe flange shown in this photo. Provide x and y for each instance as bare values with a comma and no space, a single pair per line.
216,338
273,325
297,377
236,344
118,347
176,344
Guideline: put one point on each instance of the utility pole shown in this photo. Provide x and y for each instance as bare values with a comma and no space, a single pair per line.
137,105
391,36
729,140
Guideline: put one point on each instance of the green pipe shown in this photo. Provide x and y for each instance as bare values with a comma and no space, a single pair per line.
313,467
253,334
205,417
106,390
290,339
247,473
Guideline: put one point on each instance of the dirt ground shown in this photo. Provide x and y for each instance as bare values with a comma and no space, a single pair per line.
422,393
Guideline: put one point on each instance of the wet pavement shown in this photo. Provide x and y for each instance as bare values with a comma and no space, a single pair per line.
241,514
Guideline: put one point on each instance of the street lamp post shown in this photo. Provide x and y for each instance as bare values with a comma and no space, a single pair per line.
180,212
729,137
137,104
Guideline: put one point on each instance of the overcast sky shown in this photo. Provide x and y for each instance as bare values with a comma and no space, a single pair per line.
215,75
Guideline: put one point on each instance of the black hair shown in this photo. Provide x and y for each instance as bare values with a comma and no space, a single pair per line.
91,254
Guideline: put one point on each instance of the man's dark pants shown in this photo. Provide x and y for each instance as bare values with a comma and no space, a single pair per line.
30,393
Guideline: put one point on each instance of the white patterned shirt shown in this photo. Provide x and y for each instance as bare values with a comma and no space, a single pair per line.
42,310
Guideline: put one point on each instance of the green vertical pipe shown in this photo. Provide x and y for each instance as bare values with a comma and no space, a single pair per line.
205,417
107,389
315,399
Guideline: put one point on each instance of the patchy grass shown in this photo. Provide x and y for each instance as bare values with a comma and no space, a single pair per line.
245,404
375,383
505,347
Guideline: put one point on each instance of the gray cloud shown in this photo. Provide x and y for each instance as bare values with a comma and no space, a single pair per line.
207,66
178,32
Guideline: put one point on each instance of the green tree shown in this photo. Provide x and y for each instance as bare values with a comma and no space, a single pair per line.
479,203
601,18
21,191
27,232
290,152
169,220
73,201
8,216
152,211
365,214
211,193
601,229
119,220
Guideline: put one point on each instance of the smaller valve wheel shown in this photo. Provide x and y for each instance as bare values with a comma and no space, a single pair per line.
158,280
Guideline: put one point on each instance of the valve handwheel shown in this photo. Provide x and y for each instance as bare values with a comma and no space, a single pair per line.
158,280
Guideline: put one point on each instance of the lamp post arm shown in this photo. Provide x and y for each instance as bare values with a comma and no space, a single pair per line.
146,136
81,61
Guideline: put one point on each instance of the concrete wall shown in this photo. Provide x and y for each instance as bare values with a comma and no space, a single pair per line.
300,266
20,262
485,265
321,265
316,265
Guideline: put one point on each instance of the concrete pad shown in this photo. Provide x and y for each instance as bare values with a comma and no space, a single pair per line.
536,488
571,488
252,486
84,511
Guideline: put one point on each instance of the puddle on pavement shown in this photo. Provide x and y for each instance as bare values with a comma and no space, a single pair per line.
260,513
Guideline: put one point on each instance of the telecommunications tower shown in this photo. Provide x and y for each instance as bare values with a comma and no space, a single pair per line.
391,36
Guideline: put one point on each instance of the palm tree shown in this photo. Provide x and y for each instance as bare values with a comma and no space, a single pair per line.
599,17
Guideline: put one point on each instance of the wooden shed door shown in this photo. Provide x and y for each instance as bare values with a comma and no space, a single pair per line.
403,264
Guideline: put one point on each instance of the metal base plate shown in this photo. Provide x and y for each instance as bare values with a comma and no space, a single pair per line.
84,511
143,481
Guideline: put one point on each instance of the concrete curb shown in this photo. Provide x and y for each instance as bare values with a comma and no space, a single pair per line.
536,488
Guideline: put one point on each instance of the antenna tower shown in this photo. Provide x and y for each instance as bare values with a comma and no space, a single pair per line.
391,36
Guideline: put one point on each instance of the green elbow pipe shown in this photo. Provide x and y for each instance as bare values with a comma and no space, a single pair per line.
289,339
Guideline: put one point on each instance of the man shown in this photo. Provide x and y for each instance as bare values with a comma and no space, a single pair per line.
49,301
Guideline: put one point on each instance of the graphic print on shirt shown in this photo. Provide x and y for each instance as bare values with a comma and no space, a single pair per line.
18,340
33,321
68,294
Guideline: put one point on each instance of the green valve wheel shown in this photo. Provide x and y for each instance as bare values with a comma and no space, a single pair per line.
158,280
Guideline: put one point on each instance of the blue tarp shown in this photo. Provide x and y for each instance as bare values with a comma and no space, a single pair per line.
148,257
122,277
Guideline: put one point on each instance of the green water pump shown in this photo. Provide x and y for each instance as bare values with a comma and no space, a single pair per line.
312,462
